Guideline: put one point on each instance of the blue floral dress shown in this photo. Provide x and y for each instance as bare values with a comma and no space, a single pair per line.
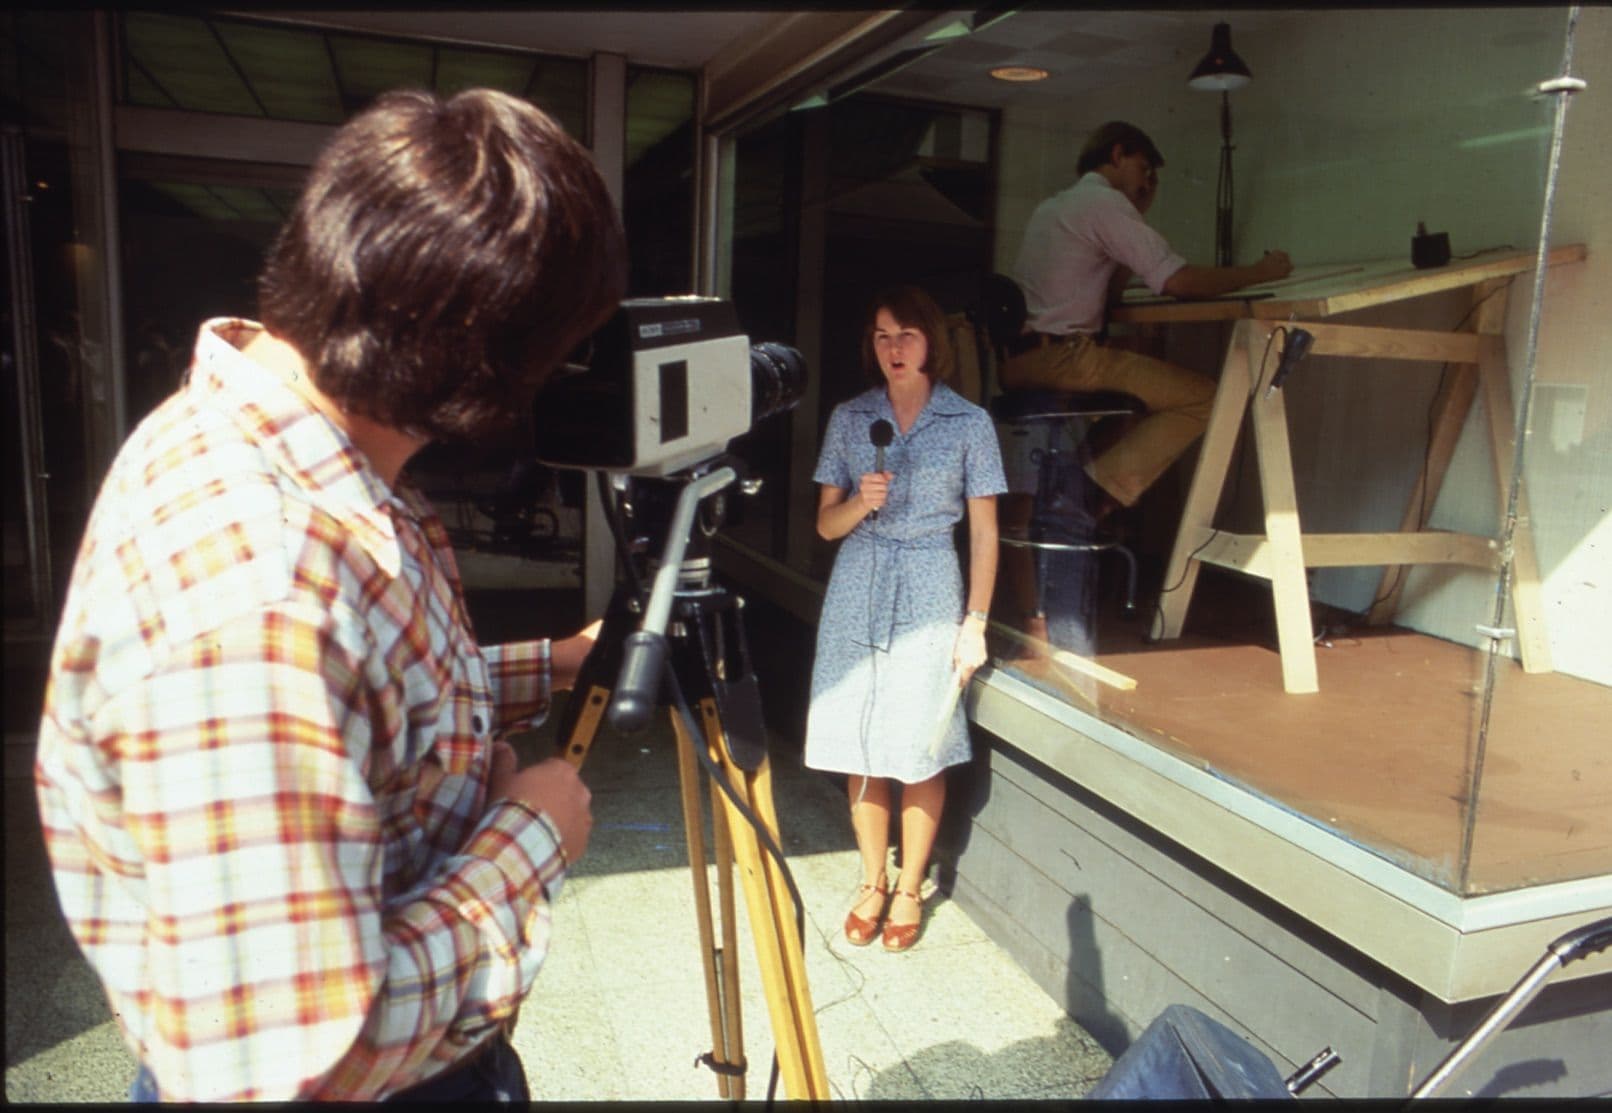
895,598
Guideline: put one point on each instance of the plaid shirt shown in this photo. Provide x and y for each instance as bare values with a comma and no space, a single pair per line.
263,760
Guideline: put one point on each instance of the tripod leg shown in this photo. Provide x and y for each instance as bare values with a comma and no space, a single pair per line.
779,952
722,847
718,996
575,748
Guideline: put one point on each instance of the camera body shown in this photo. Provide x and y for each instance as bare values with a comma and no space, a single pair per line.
665,384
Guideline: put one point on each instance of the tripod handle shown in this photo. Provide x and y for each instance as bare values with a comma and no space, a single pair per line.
643,664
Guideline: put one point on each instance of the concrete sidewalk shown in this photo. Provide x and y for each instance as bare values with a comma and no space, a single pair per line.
619,1012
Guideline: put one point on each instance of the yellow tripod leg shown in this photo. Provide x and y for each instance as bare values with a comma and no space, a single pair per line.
587,725
779,953
720,993
722,847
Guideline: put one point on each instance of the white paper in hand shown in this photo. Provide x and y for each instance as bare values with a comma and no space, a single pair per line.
943,721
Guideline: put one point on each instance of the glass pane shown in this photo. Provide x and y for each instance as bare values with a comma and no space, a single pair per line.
1539,777
882,192
559,86
658,207
191,251
763,292
67,397
1337,166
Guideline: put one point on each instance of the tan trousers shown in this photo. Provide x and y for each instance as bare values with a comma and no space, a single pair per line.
1177,402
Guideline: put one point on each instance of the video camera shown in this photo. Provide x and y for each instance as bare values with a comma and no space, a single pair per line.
665,384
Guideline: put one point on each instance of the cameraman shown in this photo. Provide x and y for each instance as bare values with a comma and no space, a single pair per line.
282,824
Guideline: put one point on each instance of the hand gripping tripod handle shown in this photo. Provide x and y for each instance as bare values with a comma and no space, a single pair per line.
637,693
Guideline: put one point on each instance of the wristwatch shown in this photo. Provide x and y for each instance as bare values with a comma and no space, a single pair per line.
981,615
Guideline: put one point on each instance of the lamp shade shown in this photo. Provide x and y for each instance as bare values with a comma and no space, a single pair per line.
1220,69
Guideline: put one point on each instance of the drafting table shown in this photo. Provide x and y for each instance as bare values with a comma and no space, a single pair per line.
1281,554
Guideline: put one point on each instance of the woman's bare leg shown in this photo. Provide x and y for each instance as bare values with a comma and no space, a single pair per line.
921,805
870,822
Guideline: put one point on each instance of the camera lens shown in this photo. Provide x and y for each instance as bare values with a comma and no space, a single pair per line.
777,377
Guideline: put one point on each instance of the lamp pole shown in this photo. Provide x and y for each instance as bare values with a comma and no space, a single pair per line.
1223,189
1222,71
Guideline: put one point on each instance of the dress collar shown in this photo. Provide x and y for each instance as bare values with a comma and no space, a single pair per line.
943,402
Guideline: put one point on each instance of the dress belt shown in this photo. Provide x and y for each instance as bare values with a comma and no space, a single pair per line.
886,574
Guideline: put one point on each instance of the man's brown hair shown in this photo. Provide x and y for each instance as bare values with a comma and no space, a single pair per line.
444,257
1100,145
912,307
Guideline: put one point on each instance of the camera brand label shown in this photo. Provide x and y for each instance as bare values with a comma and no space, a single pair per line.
654,329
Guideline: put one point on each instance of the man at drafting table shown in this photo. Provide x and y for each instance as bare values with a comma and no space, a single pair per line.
1079,249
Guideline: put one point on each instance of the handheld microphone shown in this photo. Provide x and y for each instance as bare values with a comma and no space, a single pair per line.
881,433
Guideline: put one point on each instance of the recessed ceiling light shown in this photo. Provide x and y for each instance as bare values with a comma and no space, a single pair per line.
1020,73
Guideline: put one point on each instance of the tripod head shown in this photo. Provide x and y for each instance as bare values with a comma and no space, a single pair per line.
682,570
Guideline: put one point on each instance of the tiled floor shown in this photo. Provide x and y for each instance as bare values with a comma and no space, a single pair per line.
619,1011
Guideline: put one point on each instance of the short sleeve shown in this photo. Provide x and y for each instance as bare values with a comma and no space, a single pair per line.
833,463
983,456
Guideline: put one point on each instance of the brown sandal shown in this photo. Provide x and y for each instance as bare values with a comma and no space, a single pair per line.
859,931
899,937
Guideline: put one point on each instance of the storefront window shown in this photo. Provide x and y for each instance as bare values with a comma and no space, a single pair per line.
832,204
1314,618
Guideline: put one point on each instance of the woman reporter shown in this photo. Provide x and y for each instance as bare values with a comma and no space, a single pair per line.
896,638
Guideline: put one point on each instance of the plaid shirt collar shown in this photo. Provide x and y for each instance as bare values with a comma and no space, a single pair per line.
307,447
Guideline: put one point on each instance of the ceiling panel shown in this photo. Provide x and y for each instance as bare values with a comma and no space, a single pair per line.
185,64
458,70
289,70
368,67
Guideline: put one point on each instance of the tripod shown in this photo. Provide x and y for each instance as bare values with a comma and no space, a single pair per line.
705,660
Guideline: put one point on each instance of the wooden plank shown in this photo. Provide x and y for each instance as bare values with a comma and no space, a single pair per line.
1251,553
1208,480
1411,283
1340,288
1451,405
1243,552
1353,550
1295,633
1527,602
1354,341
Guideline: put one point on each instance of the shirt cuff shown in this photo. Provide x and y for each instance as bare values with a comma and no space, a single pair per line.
1159,274
523,844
